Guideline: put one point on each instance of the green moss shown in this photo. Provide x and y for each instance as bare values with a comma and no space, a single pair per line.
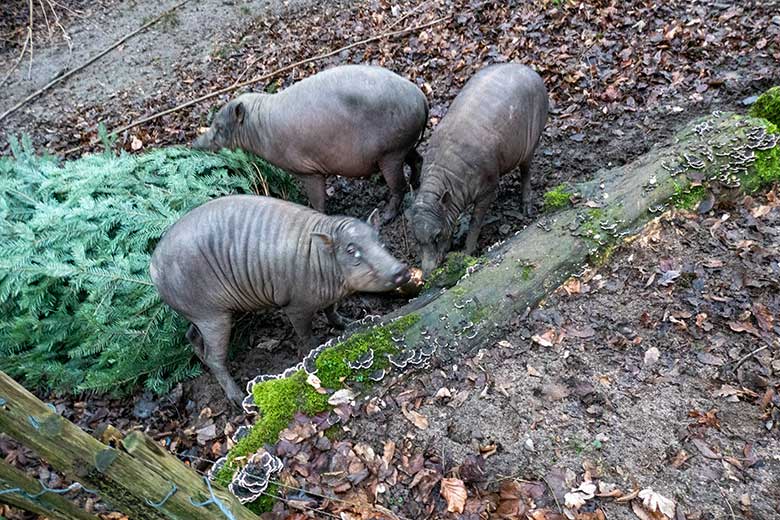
334,433
265,503
479,313
767,106
557,198
526,271
280,399
454,268
688,197
766,169
590,227
332,366
602,255
458,291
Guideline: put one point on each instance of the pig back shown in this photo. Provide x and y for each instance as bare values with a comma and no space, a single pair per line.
345,119
241,253
496,121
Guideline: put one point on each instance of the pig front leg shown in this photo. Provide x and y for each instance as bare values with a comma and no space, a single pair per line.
392,167
210,339
481,207
334,318
414,160
301,320
314,186
525,193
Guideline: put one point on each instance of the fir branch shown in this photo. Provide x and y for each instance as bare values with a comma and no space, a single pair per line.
77,308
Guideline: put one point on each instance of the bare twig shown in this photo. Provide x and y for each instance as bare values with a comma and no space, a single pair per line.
407,15
255,60
552,491
45,17
30,36
263,77
88,62
18,61
74,12
748,356
733,515
57,21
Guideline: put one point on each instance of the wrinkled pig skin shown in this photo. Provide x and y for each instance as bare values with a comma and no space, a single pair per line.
243,253
352,120
492,127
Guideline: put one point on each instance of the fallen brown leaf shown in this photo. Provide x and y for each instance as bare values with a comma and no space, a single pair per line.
454,492
416,418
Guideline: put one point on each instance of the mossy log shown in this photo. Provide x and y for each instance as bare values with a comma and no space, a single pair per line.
48,505
716,156
133,478
720,155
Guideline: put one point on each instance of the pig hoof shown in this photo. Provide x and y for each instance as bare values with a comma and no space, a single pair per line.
338,322
389,215
236,398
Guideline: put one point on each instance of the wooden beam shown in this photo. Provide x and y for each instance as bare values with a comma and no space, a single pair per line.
129,484
49,505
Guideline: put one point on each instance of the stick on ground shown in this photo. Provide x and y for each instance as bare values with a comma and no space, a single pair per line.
85,64
264,77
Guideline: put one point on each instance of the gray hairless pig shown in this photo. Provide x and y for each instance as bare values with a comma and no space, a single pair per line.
352,120
244,252
492,126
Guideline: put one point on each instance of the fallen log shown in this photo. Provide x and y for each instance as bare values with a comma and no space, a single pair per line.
716,156
151,486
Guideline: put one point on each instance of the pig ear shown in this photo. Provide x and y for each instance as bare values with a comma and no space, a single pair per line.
373,220
239,110
324,240
446,198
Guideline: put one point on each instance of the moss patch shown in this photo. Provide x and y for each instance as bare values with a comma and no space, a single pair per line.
766,169
767,106
602,255
688,197
280,399
332,368
455,266
479,313
557,198
526,271
265,503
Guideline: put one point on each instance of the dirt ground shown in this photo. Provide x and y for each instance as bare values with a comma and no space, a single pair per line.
621,77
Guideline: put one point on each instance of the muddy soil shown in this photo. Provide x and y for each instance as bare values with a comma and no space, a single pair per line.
656,371
141,66
633,418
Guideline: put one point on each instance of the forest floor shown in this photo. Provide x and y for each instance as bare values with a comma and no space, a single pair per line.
638,375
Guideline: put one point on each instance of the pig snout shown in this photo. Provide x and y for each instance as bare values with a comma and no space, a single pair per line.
402,275
203,142
431,259
392,275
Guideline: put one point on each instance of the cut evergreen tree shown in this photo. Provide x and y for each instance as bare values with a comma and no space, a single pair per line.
78,311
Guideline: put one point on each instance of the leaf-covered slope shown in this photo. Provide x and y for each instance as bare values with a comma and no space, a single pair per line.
77,308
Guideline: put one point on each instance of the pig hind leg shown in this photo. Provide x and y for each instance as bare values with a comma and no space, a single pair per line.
392,167
525,193
481,207
196,340
414,160
210,338
314,186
